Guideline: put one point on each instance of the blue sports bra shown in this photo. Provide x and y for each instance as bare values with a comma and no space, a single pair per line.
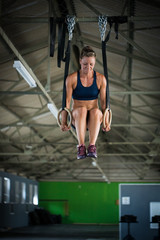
85,93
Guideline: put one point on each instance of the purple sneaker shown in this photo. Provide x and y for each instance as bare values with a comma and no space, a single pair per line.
81,151
92,151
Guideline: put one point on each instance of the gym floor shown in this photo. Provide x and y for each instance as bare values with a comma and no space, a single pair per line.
63,232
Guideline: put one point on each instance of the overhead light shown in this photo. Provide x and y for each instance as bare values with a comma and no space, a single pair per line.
24,73
53,109
152,153
29,146
41,115
20,123
5,129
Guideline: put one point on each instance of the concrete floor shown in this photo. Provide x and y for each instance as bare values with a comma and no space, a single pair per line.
63,232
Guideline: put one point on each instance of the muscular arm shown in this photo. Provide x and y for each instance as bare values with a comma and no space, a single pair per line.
69,90
103,100
103,93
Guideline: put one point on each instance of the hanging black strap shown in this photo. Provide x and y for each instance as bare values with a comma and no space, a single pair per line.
52,35
60,29
63,40
116,26
117,20
105,67
67,60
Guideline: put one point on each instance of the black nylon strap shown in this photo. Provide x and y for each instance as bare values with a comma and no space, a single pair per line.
67,59
116,29
63,40
60,30
52,36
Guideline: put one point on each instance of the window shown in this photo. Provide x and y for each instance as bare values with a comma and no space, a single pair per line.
12,208
23,193
6,190
0,189
30,194
35,195
17,192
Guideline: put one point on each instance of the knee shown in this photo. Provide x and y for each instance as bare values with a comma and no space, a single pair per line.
96,113
80,112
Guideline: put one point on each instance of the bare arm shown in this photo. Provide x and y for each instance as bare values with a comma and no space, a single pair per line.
103,100
69,90
102,93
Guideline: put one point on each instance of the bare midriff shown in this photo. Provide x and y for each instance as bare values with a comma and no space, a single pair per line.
83,103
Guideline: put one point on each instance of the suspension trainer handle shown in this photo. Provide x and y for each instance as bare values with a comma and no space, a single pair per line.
107,117
59,114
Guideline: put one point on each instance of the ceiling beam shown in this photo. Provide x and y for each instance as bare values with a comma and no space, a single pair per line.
6,142
29,153
11,20
116,51
112,93
21,124
19,56
140,49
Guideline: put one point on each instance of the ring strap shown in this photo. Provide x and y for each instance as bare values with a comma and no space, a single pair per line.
52,36
107,115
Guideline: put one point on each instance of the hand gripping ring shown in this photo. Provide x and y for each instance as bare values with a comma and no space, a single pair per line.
69,113
107,114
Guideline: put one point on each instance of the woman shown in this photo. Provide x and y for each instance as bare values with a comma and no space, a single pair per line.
84,86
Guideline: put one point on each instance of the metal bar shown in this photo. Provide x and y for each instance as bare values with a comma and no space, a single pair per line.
136,171
134,125
48,84
111,93
19,56
129,59
20,93
135,93
141,50
75,168
88,5
72,154
116,51
78,19
64,143
130,89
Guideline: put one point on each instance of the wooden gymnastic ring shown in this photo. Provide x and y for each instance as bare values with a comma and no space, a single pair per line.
69,113
107,114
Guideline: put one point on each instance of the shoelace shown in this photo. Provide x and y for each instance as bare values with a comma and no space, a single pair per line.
92,148
81,149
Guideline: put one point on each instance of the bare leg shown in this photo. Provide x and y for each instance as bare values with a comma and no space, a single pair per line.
79,117
94,122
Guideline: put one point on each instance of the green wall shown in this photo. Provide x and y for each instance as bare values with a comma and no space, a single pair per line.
81,202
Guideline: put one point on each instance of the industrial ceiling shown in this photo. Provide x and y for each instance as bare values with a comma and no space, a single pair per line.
31,142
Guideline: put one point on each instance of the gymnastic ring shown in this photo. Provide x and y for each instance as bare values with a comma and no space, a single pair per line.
69,113
107,114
